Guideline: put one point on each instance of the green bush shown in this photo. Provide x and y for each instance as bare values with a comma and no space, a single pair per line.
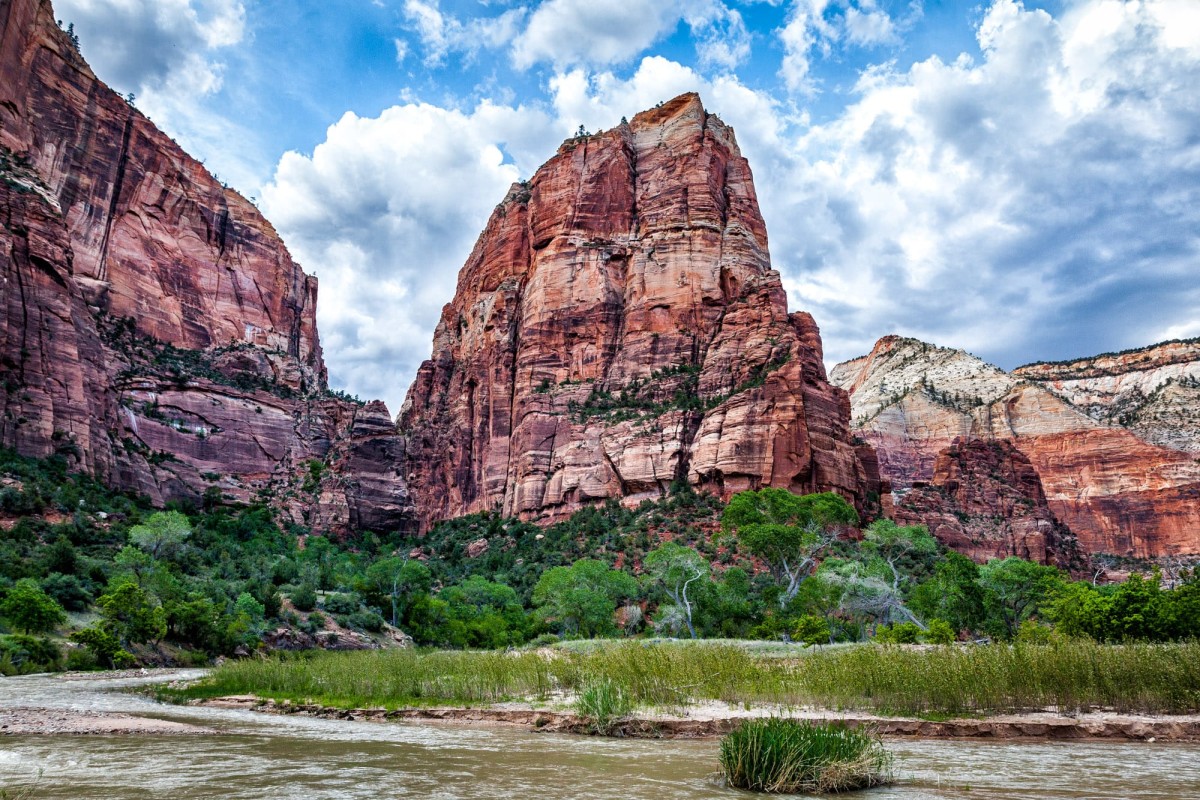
811,629
104,646
787,755
67,590
28,654
304,598
341,604
365,621
939,632
81,659
899,633
29,608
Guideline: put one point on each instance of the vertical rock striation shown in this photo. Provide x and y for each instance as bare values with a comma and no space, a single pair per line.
985,500
618,328
154,328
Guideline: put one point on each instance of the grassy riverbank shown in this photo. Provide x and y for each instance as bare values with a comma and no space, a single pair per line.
1072,676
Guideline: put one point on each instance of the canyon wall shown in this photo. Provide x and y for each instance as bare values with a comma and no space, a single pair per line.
155,330
1117,489
617,329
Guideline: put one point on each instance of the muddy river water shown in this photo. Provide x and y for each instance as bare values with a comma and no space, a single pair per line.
257,756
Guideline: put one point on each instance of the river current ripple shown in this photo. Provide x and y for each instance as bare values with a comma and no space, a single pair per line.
256,756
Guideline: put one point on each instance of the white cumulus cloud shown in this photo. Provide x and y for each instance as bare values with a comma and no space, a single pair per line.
385,211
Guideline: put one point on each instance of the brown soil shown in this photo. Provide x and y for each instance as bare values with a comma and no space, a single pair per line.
716,719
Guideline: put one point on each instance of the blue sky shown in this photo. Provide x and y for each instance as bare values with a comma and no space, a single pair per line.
1022,181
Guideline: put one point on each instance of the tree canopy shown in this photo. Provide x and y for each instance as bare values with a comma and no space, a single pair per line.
787,531
580,599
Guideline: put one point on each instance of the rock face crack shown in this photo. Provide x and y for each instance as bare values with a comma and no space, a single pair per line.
115,197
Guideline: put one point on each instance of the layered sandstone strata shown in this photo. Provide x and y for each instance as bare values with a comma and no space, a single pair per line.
155,329
1117,493
1153,391
618,328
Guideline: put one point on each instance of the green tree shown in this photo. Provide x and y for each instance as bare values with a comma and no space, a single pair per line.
132,614
31,609
729,609
873,584
162,535
581,598
68,590
105,646
787,531
1013,589
136,564
1080,609
491,613
395,580
952,594
195,621
675,568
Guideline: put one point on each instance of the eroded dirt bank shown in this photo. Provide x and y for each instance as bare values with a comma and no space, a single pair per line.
716,719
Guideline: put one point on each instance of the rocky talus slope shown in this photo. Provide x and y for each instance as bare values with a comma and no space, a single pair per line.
618,328
1116,491
153,327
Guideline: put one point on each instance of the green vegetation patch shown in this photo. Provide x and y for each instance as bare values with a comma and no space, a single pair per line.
610,679
790,756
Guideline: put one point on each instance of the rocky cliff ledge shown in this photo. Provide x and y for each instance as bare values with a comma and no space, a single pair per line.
618,328
1153,391
1116,490
153,328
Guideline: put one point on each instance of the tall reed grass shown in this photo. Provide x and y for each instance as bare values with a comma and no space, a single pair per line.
1070,676
787,755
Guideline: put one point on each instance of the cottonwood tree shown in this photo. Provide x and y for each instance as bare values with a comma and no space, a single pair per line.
131,614
676,569
31,609
787,531
1013,589
873,584
162,535
581,598
952,594
397,579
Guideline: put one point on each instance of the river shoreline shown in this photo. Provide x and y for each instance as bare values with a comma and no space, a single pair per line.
708,720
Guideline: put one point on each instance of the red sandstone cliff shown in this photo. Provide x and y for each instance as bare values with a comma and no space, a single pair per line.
1117,492
617,328
985,500
153,327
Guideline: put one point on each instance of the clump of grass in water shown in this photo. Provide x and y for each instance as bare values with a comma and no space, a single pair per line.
787,755
604,703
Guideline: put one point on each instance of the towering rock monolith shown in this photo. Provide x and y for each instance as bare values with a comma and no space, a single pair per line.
617,329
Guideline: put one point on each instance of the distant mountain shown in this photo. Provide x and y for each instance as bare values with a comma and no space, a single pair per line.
1124,490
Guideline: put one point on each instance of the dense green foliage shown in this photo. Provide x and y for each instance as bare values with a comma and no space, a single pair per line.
191,582
790,756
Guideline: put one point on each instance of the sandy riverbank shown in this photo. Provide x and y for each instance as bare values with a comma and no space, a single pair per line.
69,722
715,719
